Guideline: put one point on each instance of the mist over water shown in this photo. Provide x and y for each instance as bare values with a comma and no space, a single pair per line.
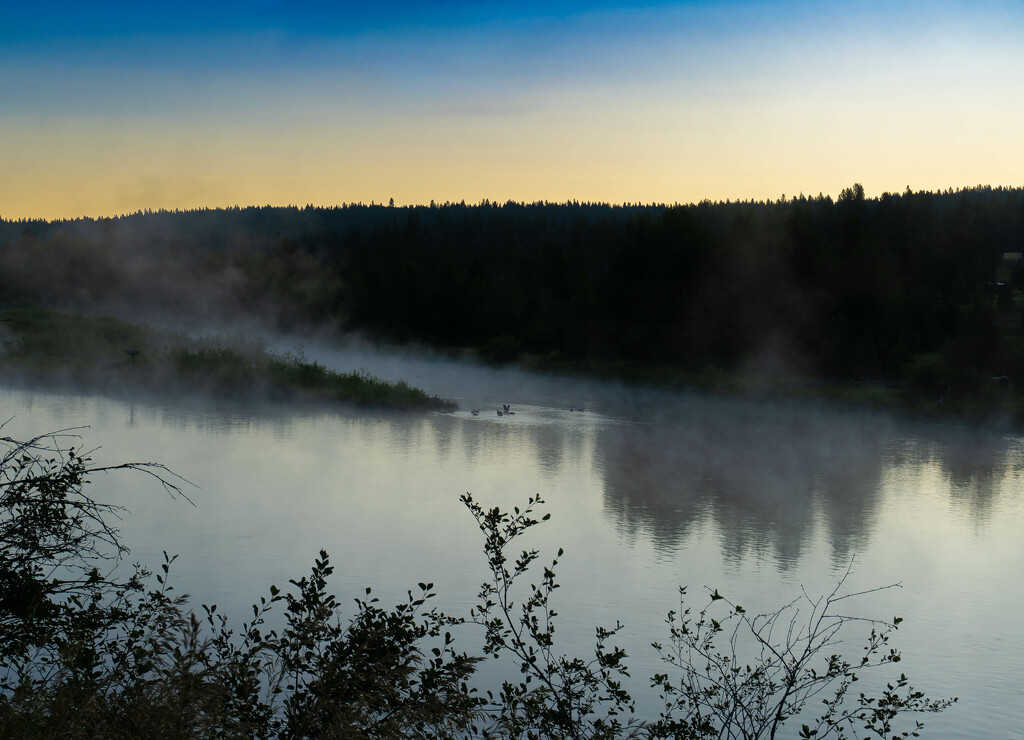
647,489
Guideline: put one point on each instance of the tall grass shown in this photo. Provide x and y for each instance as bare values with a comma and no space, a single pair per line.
103,351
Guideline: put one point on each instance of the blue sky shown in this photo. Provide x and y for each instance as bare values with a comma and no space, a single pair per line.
139,105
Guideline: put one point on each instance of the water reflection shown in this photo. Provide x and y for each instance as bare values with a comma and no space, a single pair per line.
549,444
764,477
770,478
647,490
975,468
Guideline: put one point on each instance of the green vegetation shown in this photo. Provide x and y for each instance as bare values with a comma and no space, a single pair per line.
913,295
104,352
85,654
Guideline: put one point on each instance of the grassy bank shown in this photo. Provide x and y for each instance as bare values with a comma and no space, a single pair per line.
103,352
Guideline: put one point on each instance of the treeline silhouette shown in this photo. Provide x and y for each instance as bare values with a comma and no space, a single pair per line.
904,288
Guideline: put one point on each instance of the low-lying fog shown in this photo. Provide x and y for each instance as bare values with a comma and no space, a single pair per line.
648,490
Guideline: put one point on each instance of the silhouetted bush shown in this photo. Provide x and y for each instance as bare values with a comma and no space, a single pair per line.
85,655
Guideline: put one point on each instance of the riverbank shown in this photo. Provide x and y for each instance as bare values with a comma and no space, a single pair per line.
999,404
102,353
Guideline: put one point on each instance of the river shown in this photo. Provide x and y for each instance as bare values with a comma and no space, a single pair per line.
647,491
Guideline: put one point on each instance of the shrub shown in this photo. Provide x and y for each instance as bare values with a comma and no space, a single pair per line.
85,655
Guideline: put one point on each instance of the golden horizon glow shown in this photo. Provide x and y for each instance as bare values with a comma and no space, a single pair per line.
658,113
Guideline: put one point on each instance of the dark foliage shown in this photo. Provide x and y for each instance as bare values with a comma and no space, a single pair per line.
900,288
82,655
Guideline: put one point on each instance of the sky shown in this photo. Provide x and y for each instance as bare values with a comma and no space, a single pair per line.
116,107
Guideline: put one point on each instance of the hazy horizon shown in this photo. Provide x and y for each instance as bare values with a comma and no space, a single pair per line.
115,109
485,202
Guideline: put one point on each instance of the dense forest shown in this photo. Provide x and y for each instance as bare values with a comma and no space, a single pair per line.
916,290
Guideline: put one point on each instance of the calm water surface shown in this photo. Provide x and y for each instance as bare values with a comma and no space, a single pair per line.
647,491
